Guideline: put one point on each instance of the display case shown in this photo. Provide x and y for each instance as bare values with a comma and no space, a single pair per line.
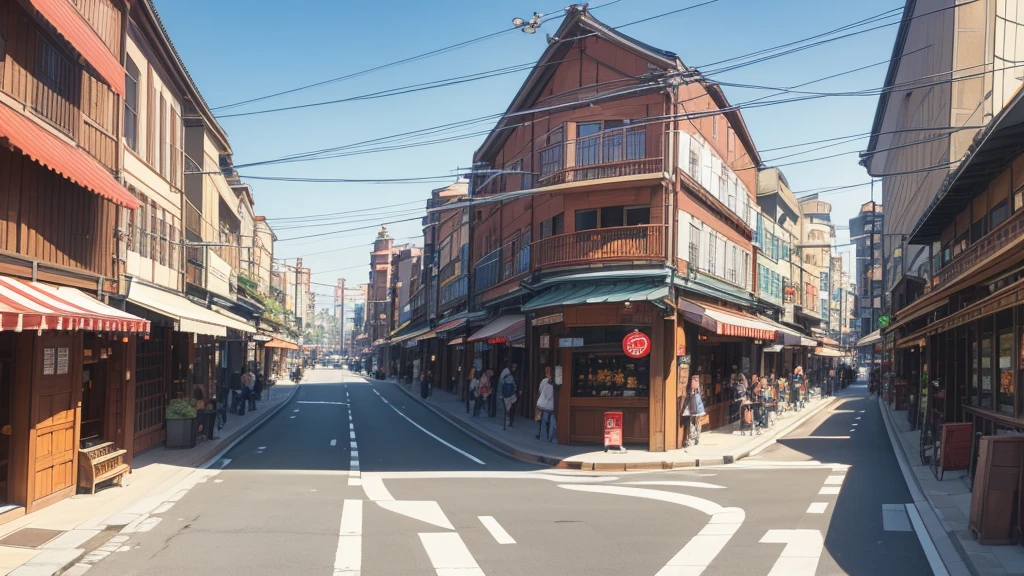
598,374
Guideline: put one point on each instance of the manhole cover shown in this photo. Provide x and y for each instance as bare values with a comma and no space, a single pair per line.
29,537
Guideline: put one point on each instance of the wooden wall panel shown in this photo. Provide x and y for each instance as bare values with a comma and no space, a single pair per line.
51,219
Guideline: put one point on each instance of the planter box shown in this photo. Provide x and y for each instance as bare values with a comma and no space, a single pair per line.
181,433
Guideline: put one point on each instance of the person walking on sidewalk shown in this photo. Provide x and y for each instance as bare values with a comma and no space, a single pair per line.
424,384
249,389
509,392
546,406
471,384
483,392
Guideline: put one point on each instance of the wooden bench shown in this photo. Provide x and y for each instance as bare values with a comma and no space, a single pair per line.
100,463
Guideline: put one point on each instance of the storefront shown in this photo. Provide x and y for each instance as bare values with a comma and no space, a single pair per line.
60,390
500,344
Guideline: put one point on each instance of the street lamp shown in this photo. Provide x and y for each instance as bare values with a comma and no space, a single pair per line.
529,27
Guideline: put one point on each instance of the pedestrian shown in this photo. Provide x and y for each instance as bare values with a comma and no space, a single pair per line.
546,405
796,394
483,392
471,384
424,385
248,389
509,392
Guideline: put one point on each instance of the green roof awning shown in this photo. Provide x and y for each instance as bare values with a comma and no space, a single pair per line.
598,293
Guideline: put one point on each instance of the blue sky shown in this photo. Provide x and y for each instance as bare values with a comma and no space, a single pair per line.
240,49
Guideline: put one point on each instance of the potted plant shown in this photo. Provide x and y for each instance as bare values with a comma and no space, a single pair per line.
181,424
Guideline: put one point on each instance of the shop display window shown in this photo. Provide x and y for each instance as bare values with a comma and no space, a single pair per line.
610,375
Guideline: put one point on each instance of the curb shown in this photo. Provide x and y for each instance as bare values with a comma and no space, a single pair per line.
199,464
490,441
937,534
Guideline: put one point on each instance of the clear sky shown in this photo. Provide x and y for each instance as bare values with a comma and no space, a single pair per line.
240,49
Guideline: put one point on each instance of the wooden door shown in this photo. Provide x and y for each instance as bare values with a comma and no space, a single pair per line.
54,417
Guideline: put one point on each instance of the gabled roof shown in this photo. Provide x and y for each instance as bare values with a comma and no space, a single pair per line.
577,23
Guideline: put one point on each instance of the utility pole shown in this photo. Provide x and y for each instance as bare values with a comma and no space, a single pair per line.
871,277
339,309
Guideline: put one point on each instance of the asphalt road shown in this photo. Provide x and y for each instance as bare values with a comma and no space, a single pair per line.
357,478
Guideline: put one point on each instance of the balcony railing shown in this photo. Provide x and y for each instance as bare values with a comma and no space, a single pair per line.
613,153
195,265
1007,233
193,219
449,271
620,244
507,262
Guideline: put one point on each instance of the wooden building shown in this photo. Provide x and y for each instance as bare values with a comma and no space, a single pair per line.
67,359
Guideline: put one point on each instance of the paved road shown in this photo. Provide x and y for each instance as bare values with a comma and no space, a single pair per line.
356,478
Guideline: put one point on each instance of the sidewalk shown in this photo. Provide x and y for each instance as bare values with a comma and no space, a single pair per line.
722,446
89,521
948,503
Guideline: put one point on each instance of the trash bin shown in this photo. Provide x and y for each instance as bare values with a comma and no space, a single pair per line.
612,430
208,420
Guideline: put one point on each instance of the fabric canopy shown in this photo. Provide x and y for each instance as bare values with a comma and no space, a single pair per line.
598,293
451,325
190,317
283,344
69,161
457,341
726,322
871,339
501,329
413,334
787,336
828,352
235,322
70,24
26,305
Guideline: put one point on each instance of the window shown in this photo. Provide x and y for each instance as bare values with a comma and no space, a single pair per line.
978,229
587,143
131,104
714,127
164,140
731,142
985,354
638,216
1004,327
586,220
611,217
550,160
998,214
695,165
552,226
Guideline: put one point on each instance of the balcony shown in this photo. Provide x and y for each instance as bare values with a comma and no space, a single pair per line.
621,244
969,261
195,265
193,221
626,151
505,263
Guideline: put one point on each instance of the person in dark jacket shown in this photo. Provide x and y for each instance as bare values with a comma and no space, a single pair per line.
424,385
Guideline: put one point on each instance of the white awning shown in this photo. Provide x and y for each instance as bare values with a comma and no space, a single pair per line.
502,329
190,317
828,352
788,336
808,342
726,322
235,321
871,339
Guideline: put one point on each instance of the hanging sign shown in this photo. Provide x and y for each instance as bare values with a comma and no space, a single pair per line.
636,344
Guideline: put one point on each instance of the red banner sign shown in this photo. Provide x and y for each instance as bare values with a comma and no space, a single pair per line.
612,430
636,345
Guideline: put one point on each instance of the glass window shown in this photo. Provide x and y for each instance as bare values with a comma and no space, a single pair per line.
695,165
610,374
978,229
587,129
611,216
586,220
638,216
985,396
1004,401
131,104
999,213
972,367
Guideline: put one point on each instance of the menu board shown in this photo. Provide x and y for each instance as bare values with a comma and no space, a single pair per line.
62,360
49,361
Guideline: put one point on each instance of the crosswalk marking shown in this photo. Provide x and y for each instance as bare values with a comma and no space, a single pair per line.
500,535
800,556
449,555
817,508
829,491
348,559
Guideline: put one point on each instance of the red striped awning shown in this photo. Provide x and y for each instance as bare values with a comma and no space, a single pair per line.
726,322
26,305
451,325
63,158
72,26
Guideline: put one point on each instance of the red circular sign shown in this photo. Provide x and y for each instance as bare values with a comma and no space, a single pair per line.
636,345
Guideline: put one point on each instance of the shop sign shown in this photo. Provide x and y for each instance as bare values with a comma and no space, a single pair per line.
636,344
545,341
498,340
550,319
681,350
570,342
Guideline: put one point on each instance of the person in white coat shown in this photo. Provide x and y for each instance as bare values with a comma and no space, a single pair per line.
546,406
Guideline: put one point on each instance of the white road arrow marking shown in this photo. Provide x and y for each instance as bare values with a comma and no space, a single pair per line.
702,549
449,555
800,556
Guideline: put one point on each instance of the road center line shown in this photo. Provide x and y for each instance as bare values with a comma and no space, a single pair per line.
319,402
434,436
499,533
348,559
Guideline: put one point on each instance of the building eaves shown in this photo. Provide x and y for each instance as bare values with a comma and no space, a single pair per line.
890,80
204,109
736,120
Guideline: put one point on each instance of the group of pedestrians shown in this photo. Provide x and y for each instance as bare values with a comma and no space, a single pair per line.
484,391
